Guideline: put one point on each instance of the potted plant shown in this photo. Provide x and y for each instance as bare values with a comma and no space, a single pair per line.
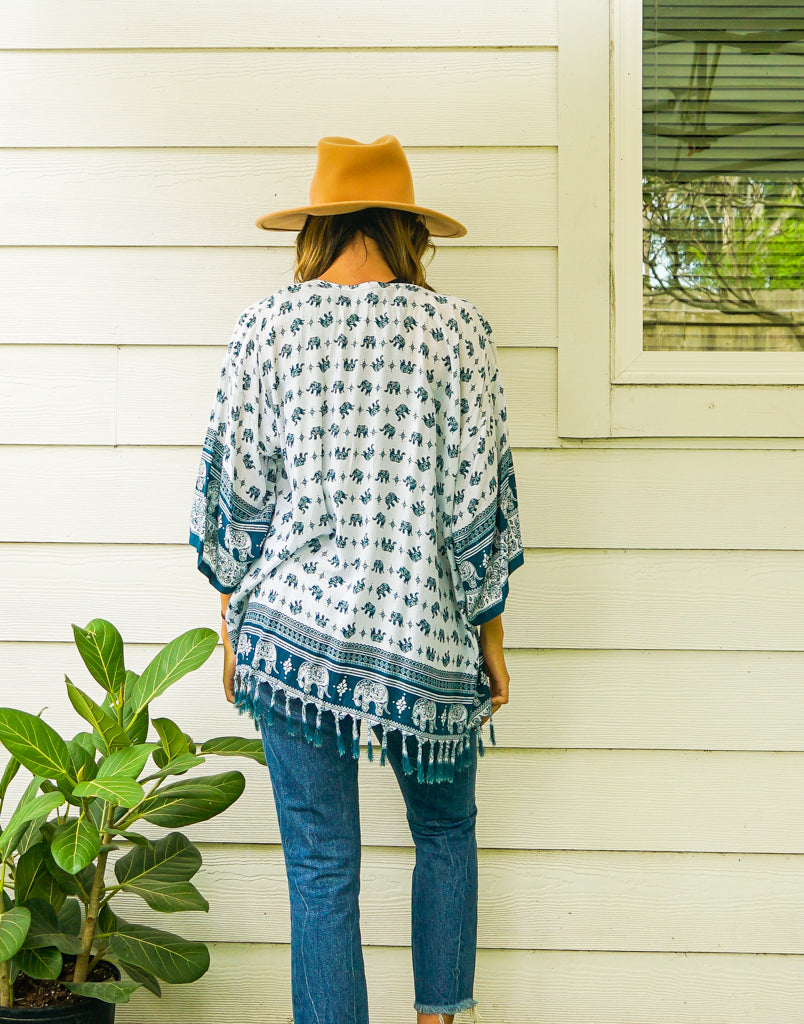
64,953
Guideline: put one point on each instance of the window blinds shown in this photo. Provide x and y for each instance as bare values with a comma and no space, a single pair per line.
723,175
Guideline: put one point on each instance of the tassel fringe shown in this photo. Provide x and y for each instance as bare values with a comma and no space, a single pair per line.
407,768
437,758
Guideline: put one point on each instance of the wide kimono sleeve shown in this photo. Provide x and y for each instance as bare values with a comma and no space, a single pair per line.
486,536
235,489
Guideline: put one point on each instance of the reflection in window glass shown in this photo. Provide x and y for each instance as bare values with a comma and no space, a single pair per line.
723,175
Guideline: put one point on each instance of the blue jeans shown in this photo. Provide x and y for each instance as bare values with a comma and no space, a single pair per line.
316,795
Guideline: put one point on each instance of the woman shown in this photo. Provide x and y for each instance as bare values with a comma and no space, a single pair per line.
356,508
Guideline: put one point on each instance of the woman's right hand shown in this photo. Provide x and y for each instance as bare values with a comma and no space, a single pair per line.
491,647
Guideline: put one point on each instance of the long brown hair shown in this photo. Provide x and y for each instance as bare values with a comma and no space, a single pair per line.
402,237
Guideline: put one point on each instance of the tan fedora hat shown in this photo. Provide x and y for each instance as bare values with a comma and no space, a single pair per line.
351,175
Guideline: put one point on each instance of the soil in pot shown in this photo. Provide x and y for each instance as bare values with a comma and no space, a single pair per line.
39,993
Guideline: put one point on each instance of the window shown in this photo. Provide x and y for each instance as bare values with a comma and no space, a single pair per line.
687,234
722,176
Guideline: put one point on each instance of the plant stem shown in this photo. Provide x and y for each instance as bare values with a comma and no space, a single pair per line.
81,968
5,987
95,959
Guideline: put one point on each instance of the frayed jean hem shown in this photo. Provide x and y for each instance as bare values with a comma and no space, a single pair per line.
464,1004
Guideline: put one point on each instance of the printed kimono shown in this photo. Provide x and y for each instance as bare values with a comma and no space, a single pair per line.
356,497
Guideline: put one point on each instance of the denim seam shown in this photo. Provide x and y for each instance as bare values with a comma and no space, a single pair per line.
464,1004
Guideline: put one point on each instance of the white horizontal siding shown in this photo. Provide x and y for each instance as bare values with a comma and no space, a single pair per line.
202,196
254,24
272,98
562,698
539,986
660,499
192,295
127,395
680,801
529,899
576,598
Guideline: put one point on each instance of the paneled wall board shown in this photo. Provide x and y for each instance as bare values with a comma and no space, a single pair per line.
163,396
250,984
647,800
254,24
274,99
581,598
661,499
68,390
639,700
193,295
540,899
201,196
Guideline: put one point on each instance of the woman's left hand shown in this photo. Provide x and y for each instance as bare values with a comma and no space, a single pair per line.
229,666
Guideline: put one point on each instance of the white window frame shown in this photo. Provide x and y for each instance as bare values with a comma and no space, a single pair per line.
607,386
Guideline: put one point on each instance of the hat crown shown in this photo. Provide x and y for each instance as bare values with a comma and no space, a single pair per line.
348,171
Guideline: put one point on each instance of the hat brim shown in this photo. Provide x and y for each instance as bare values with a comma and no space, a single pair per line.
438,224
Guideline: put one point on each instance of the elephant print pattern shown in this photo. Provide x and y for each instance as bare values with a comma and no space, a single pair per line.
356,496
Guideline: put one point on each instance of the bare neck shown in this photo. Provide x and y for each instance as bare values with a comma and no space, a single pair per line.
361,261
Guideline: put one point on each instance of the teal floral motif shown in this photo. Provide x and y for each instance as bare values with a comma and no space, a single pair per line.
356,497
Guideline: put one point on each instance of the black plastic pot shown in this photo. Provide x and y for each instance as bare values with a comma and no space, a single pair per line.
88,1011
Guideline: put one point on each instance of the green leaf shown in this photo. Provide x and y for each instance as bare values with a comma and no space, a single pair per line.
135,723
112,735
107,920
45,932
66,787
39,963
174,742
144,977
9,772
168,956
101,648
33,881
193,800
30,837
170,897
28,870
95,809
122,791
159,873
27,810
135,837
78,884
75,844
128,762
35,744
108,991
84,766
87,741
182,655
236,746
176,767
69,917
14,926
171,858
